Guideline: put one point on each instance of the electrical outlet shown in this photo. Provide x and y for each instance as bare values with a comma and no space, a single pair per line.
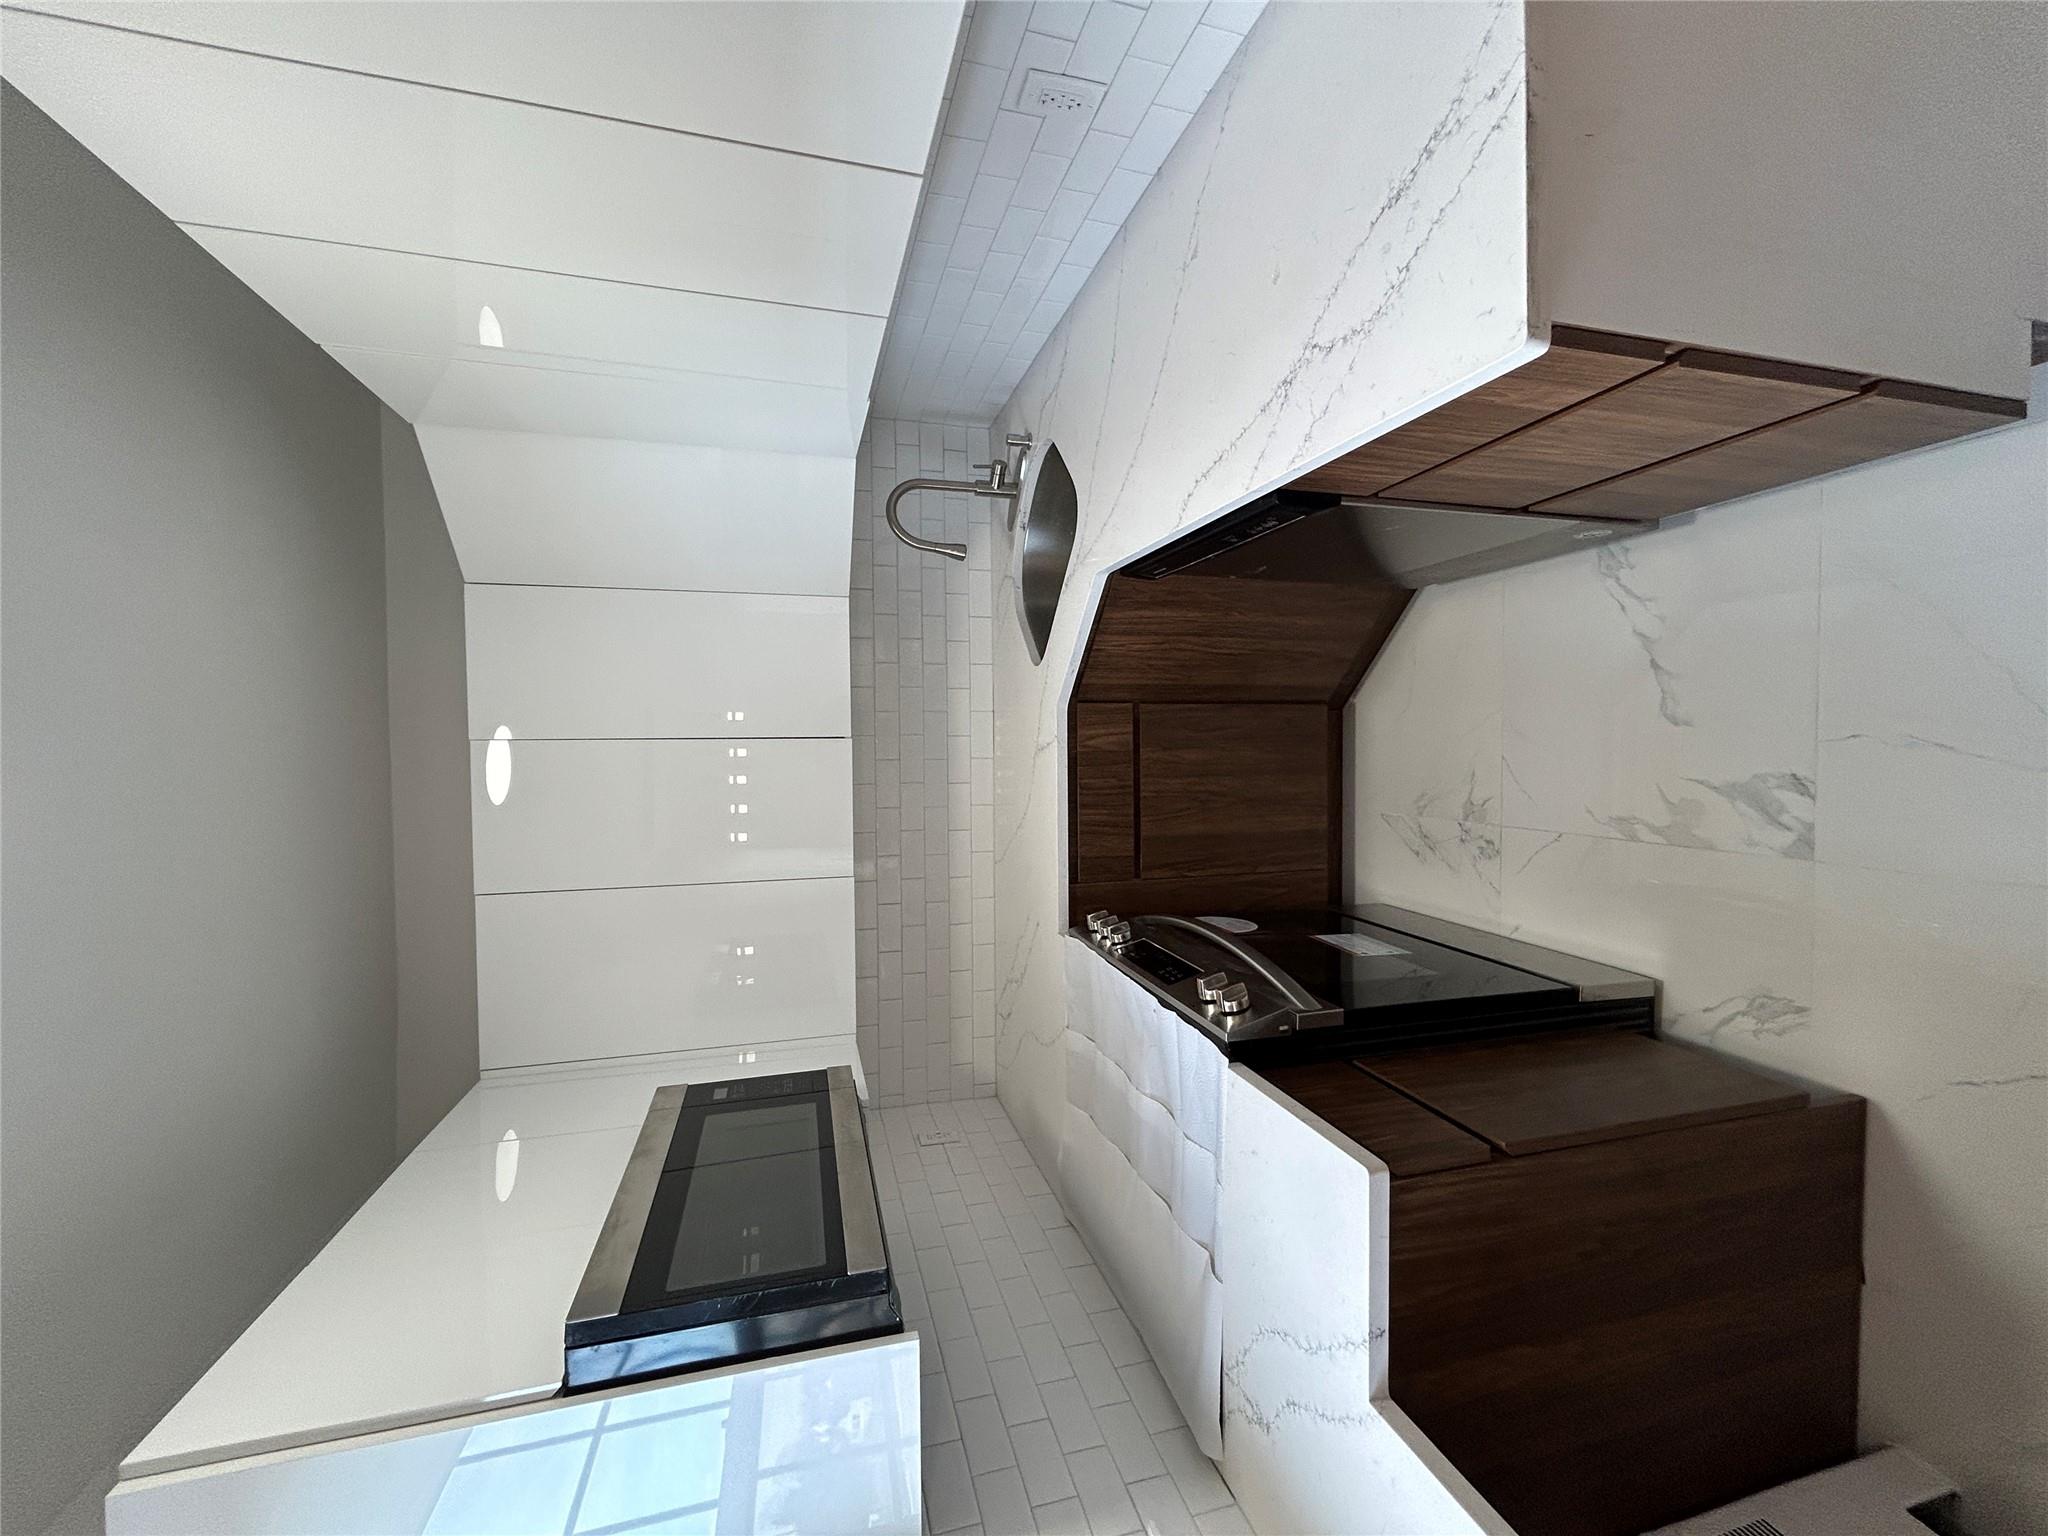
1044,94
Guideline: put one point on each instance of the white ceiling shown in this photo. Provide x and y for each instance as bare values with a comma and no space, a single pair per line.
688,220
1017,209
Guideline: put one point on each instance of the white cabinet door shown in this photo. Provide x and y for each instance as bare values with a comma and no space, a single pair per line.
575,975
581,511
581,814
598,663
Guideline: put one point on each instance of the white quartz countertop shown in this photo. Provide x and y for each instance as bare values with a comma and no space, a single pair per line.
446,1291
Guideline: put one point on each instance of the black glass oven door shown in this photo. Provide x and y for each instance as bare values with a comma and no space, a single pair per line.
747,1203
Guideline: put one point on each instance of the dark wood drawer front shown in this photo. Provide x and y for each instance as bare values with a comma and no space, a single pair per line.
1106,817
1696,399
1578,365
1233,788
1888,419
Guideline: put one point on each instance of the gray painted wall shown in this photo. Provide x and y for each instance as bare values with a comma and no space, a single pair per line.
197,923
430,848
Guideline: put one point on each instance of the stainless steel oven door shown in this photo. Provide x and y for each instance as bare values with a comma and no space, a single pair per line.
748,1189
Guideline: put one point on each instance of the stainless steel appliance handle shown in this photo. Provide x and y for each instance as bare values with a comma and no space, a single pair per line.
603,1288
1280,981
860,1220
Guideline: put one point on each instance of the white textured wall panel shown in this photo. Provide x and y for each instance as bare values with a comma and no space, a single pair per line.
602,662
573,975
583,814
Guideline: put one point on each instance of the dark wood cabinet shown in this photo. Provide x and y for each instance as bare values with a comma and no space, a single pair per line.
1624,1273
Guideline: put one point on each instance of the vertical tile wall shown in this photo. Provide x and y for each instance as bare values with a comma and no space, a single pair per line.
923,773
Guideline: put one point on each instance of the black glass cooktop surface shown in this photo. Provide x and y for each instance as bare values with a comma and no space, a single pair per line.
1360,966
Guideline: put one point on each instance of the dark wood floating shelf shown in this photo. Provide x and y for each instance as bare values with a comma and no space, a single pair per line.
1631,428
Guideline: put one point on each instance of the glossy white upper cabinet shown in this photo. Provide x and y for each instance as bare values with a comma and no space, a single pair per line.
649,405
590,662
854,82
395,301
577,815
581,975
573,511
463,343
234,140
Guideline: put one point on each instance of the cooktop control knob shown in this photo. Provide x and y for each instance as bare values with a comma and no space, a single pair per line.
1206,987
1235,998
1097,921
1115,934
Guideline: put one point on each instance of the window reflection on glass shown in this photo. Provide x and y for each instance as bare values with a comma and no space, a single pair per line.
785,1448
507,1172
498,766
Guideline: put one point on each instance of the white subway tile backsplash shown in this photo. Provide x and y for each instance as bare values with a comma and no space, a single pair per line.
1118,197
1039,51
1098,156
916,873
995,32
989,201
954,165
1039,180
1010,141
1019,227
1156,135
1060,18
1064,217
970,248
997,166
1130,94
1167,27
977,97
1103,40
1201,61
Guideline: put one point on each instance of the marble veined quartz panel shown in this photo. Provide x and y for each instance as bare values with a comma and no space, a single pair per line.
1661,690
1311,1441
1138,1170
1295,281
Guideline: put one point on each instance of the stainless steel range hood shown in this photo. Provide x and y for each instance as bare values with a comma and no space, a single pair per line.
1318,537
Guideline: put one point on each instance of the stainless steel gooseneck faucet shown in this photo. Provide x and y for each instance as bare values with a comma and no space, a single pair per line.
1003,476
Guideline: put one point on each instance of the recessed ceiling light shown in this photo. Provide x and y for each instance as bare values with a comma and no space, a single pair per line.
488,332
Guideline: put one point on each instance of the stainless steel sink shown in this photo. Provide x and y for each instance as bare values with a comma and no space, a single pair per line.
1046,516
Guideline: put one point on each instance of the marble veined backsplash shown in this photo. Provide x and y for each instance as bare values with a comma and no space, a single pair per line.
1791,758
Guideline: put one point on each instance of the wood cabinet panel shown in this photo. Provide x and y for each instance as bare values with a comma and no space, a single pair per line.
1695,399
1678,1310
1105,801
1539,1095
1207,637
1399,1132
1578,365
1198,895
1887,419
1234,788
